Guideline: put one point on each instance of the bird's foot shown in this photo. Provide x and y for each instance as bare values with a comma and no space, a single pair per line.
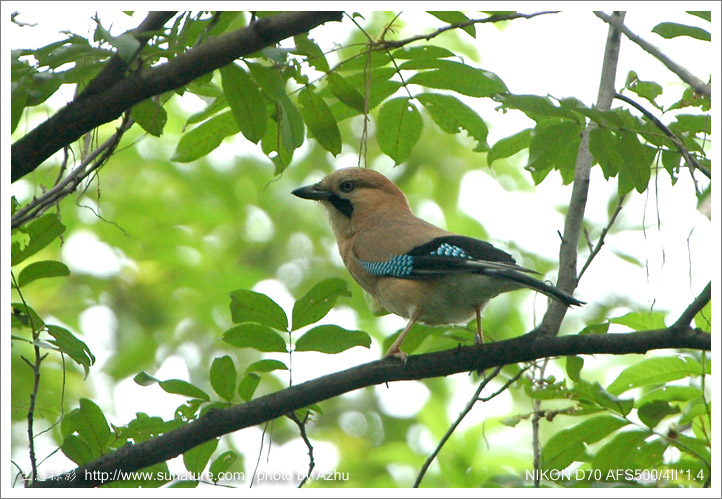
397,353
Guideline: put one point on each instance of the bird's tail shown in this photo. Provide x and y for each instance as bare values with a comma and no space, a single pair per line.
530,282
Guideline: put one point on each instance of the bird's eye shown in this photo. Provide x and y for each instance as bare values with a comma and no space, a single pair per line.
347,186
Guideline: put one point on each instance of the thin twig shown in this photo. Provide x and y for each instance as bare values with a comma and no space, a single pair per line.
600,242
463,414
698,85
67,185
302,428
535,430
698,304
692,163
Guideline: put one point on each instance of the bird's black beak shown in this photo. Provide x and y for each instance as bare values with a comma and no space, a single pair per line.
312,192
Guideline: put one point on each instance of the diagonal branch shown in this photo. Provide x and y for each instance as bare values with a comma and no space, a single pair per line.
698,304
269,407
85,114
574,221
698,85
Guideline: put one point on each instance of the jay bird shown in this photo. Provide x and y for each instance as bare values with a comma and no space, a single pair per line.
411,267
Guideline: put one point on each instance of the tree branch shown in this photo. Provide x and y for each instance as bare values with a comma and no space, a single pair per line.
568,280
698,304
698,85
462,359
85,114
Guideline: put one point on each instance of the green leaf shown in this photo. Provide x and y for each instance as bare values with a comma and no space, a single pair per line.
454,17
422,52
205,137
180,387
25,316
195,460
145,379
41,270
649,90
538,108
655,371
265,366
345,92
641,321
593,393
452,116
314,55
290,119
415,337
218,104
42,231
621,452
568,445
554,144
250,306
603,144
223,377
77,450
221,464
331,339
694,123
459,77
246,102
257,336
670,393
704,14
574,366
248,385
316,303
596,329
72,346
92,427
150,115
319,120
672,30
398,128
653,412
509,146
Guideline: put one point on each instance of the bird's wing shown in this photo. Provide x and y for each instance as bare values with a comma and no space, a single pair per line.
455,254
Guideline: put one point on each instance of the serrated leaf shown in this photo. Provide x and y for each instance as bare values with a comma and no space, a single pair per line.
221,464
69,344
636,169
316,303
223,377
509,146
398,128
205,137
195,460
672,30
454,17
320,120
246,102
459,77
653,412
250,306
180,387
42,270
331,339
265,366
568,445
452,116
554,144
257,336
248,385
314,55
42,231
654,371
150,115
603,144
574,365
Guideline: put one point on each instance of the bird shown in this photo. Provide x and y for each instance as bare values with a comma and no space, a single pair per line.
411,267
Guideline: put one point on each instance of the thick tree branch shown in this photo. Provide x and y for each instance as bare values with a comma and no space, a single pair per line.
462,359
698,85
574,221
85,114
698,304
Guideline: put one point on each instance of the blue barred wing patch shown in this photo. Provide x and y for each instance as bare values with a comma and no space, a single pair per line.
403,265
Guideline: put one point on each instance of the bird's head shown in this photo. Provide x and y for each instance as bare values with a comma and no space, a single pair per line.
354,194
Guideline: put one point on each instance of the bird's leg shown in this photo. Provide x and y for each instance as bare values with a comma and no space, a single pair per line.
479,338
395,349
